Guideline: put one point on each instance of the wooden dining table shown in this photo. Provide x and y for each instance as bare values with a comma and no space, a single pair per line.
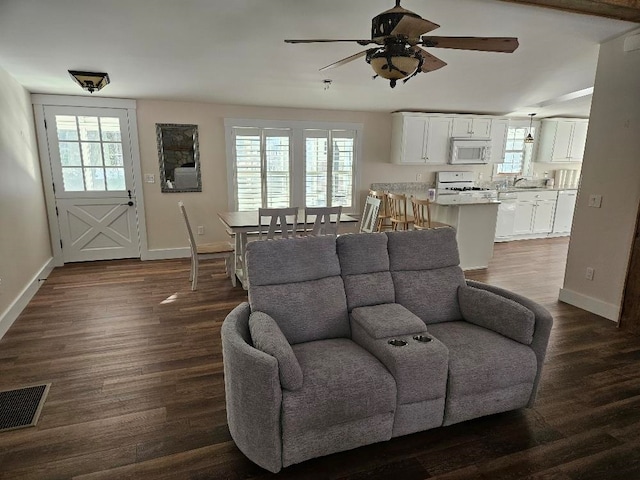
242,225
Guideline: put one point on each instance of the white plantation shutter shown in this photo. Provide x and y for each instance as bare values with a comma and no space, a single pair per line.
262,168
329,162
316,150
343,146
277,164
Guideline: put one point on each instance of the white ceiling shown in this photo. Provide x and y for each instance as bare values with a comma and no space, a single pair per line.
232,52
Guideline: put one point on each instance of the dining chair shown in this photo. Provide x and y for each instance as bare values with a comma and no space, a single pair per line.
422,215
322,224
383,221
398,210
369,220
278,223
206,251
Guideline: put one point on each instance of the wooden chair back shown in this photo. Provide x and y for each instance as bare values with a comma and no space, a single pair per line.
192,240
322,224
369,221
400,217
278,223
422,215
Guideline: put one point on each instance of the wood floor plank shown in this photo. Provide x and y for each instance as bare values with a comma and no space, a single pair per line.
134,358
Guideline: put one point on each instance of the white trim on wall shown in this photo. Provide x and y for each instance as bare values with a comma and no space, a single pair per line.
590,304
82,101
22,300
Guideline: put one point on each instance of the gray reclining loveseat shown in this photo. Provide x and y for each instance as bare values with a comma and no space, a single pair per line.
357,339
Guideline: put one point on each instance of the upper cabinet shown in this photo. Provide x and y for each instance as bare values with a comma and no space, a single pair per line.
499,132
418,139
472,127
562,140
425,138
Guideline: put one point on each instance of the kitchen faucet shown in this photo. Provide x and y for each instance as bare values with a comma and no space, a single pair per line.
516,180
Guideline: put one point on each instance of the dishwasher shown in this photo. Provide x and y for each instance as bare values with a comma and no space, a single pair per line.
506,216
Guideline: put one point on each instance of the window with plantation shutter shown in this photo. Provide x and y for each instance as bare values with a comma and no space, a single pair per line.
281,164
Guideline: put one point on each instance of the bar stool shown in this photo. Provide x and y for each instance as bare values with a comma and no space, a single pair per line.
422,215
398,210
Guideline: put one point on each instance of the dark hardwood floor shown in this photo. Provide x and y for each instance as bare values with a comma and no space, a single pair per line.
137,392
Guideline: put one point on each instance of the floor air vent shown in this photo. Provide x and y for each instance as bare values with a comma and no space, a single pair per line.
21,408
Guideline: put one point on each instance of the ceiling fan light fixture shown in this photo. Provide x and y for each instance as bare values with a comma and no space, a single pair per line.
90,81
529,138
393,65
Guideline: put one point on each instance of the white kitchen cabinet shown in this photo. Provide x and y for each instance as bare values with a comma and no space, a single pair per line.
564,211
535,212
562,140
499,132
418,139
472,127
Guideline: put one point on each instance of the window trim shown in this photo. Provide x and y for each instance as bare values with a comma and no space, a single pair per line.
297,170
528,160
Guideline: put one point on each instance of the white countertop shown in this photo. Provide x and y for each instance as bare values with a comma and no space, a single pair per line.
534,189
456,200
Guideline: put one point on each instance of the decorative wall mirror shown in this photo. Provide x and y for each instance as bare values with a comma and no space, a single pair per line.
179,156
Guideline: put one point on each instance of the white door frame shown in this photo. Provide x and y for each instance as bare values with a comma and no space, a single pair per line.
39,102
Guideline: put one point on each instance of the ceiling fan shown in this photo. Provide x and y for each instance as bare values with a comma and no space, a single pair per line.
398,34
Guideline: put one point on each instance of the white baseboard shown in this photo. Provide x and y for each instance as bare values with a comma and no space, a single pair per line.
15,309
590,304
166,253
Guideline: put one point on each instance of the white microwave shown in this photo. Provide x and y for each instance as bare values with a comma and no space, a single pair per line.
470,151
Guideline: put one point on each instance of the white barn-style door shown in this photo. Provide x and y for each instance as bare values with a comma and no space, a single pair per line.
92,173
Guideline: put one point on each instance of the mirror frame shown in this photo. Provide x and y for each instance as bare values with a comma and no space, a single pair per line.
164,147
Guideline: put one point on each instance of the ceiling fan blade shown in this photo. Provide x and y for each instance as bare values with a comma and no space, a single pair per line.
413,27
484,44
345,60
430,62
326,40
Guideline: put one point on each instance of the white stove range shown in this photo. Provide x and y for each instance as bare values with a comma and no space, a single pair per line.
461,186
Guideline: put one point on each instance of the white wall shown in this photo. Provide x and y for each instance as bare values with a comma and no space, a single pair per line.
602,237
24,233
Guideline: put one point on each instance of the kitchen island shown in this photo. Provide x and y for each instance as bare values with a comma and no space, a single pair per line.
475,224
473,218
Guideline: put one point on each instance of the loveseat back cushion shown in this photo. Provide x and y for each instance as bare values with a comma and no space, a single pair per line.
423,249
497,313
305,311
426,274
290,260
432,295
364,262
297,282
268,337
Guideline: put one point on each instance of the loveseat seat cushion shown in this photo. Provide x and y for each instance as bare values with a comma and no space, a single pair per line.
497,313
268,337
481,360
387,320
342,383
364,262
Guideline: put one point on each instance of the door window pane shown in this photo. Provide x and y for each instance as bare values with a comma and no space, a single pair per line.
70,154
72,179
94,179
115,179
112,154
66,127
110,128
89,129
91,154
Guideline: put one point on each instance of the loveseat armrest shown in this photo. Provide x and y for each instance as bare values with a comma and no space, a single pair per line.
252,391
543,322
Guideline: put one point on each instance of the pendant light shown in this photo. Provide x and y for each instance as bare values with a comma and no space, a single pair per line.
529,138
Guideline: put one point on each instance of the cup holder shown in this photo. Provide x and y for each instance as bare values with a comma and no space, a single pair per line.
422,338
397,343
